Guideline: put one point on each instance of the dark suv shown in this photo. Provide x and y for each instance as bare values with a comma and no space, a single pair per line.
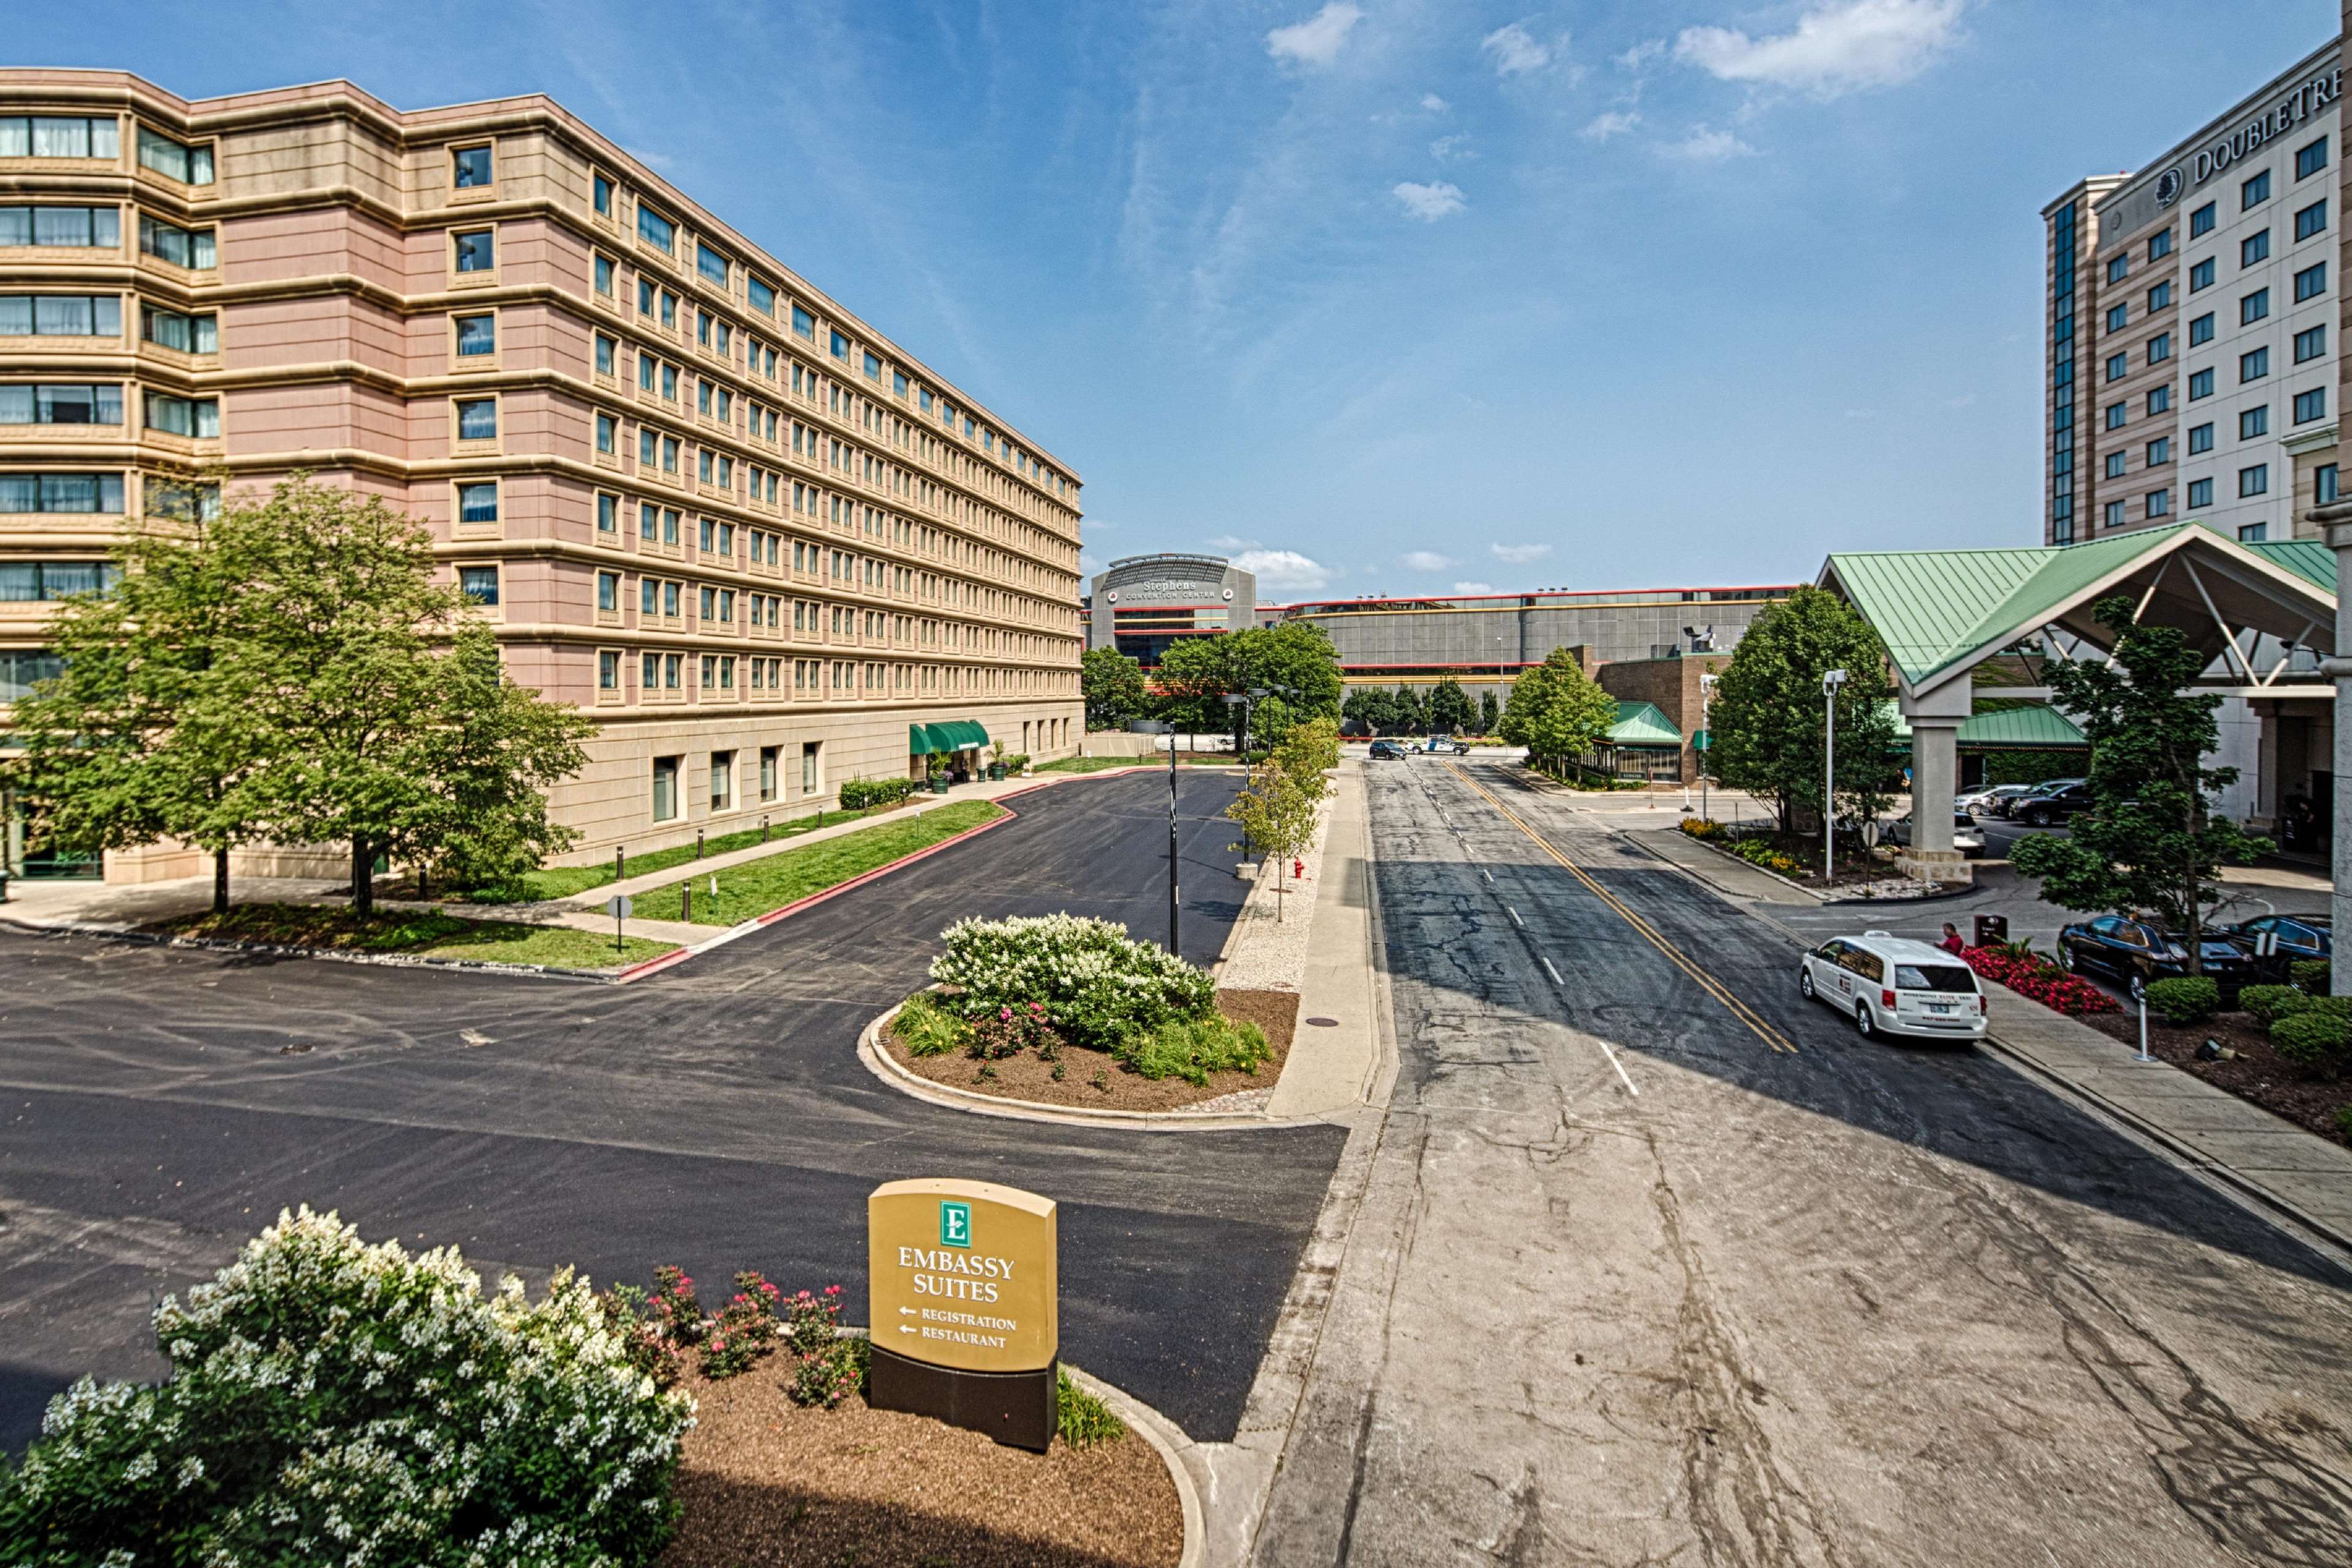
2136,952
1387,752
2045,808
2300,939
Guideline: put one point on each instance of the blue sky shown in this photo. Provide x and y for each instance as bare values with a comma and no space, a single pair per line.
1393,297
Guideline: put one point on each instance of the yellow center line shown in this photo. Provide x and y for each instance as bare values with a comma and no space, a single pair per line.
1682,961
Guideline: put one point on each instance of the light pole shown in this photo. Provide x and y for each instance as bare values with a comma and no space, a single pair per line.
1830,681
1706,695
1174,903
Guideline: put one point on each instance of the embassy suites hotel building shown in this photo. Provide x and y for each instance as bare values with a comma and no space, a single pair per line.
697,497
2192,317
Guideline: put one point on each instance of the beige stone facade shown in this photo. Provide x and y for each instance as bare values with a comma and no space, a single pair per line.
699,497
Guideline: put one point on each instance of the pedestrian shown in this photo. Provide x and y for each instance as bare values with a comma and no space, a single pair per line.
1952,942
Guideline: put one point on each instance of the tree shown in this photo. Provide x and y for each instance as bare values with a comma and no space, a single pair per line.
1190,686
1278,813
1270,720
1307,751
1407,712
1367,706
1450,709
1112,684
1490,713
149,732
1765,720
1556,711
1294,661
2151,839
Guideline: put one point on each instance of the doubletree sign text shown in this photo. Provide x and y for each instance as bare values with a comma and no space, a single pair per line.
961,1274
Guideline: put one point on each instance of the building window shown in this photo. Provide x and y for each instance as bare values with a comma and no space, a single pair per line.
2115,514
2254,365
2200,331
2159,398
2159,348
183,502
608,353
2323,483
2200,438
2116,316
2118,267
761,293
2200,384
52,403
608,431
656,230
600,194
2253,533
2310,343
2201,274
608,513
608,670
59,136
608,591
710,264
30,582
480,585
665,788
809,776
841,348
768,768
477,419
2254,192
195,417
2254,480
75,228
2116,464
2159,451
2311,282
190,248
476,251
804,324
722,779
478,503
2160,245
2253,421
2118,365
2160,296
2310,405
94,493
476,335
2253,307
2201,494
2310,158
2311,220
471,167
2255,247
2159,503
604,271
2201,221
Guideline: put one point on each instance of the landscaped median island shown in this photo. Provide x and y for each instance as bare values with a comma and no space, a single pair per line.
331,1401
413,933
1070,1011
761,886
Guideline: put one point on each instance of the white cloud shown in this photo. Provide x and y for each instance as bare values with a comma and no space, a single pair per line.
1431,202
1519,555
1515,51
1473,587
1616,122
1316,40
1228,542
1641,54
1837,47
1425,561
1452,149
1708,146
1283,569
1433,103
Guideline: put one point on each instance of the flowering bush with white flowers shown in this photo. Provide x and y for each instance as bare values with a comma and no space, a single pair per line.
1095,984
336,1402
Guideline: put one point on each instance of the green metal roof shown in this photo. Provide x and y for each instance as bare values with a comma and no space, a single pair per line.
2023,724
2306,558
1643,724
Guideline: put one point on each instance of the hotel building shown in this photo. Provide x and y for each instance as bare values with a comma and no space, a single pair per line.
2191,314
696,496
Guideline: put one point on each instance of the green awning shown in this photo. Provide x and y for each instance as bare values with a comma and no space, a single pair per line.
947,735
919,742
1643,724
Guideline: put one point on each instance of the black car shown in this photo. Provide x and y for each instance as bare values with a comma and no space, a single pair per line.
2135,952
2005,802
1387,752
2301,938
2047,808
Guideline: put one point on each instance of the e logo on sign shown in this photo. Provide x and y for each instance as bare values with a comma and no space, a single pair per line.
955,1224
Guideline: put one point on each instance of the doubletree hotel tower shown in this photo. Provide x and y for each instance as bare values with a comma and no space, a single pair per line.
2191,319
697,498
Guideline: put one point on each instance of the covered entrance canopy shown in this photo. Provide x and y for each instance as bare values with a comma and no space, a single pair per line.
948,735
1643,743
2260,614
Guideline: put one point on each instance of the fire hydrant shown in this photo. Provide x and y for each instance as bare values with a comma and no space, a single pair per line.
1297,868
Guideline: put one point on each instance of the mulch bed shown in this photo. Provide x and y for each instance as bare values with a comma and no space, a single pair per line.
767,1481
1025,1077
2258,1073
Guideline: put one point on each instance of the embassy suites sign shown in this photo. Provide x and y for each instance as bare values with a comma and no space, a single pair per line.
2288,112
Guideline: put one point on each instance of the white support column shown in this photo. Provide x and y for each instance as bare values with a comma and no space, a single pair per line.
1935,717
2339,538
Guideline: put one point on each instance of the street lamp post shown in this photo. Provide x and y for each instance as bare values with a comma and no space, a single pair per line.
1706,695
1830,681
1175,904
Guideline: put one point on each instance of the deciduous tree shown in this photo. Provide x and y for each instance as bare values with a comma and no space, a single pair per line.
1766,720
1556,711
1451,710
1112,684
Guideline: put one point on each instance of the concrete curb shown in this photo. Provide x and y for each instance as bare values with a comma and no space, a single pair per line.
1169,1442
327,954
882,1065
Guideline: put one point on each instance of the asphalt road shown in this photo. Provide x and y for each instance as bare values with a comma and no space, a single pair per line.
1659,1263
158,1107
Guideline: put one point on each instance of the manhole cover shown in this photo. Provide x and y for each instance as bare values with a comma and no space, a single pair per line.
1325,1022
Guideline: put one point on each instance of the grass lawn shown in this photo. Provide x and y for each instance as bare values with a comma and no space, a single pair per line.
563,881
1088,764
756,886
422,933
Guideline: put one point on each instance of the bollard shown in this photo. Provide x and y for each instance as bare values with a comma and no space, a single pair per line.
686,900
620,861
698,844
763,830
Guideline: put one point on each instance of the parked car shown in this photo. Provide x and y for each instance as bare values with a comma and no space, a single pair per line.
1444,746
2049,807
1387,752
2301,938
2004,799
1891,984
2133,952
1967,836
1987,802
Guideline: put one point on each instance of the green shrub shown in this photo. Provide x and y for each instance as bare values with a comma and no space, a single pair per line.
929,1029
1096,986
1015,763
827,1366
858,794
332,1401
1082,1419
1193,1048
2316,1040
2310,976
2184,999
2268,1004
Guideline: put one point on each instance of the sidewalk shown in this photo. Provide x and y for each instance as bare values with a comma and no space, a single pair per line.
2297,1171
1733,879
1333,1066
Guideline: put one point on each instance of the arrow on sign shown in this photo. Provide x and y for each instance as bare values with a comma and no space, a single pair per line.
906,1311
904,1329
